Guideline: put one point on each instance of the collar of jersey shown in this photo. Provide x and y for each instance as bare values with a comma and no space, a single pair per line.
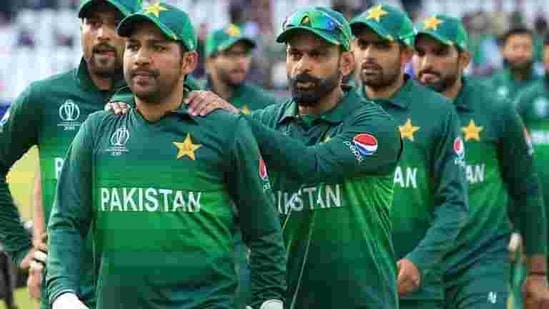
461,100
348,104
85,81
401,98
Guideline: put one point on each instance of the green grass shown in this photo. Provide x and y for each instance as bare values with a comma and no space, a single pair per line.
21,179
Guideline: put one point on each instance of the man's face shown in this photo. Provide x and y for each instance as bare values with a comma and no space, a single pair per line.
102,47
232,65
312,67
546,58
154,65
518,51
378,62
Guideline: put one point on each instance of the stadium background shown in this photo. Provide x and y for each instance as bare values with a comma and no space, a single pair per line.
39,38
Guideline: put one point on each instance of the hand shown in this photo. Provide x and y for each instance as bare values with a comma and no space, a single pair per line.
536,293
117,108
201,103
270,304
37,265
409,278
68,301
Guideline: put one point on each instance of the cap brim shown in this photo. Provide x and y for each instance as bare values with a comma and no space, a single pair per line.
284,36
439,38
126,26
232,42
375,27
118,6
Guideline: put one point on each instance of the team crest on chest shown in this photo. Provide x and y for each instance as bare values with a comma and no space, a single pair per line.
186,148
69,115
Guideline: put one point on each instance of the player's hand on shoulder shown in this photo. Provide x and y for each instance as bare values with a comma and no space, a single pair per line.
536,292
409,278
117,108
201,103
68,301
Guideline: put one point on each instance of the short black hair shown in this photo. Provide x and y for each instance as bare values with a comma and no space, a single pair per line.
515,31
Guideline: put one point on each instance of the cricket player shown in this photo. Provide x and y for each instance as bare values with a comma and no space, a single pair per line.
48,114
228,59
157,187
430,192
503,187
518,72
332,156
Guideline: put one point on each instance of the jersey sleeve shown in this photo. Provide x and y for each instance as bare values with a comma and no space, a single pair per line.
515,154
368,144
450,198
123,95
71,216
18,133
261,229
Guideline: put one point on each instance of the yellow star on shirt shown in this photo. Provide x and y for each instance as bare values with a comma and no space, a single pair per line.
155,9
431,23
472,131
245,110
376,13
408,129
186,148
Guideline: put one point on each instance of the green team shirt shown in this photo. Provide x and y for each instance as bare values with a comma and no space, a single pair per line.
506,86
430,193
160,198
248,97
500,174
47,114
332,177
533,106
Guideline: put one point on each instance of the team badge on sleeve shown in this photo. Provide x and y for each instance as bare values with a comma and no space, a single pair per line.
459,150
365,143
262,169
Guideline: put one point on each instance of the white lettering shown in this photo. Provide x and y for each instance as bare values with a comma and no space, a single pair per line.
194,202
104,198
475,173
406,178
128,198
152,201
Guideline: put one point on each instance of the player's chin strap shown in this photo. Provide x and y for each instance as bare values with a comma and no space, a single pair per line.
270,304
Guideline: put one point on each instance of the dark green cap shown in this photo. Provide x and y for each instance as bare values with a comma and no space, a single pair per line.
323,22
173,22
126,7
445,29
388,22
224,39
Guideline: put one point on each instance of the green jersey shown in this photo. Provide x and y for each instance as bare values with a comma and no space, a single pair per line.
332,176
248,97
159,197
502,182
47,114
506,87
430,199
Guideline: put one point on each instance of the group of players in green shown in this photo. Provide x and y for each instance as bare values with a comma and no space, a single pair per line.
384,194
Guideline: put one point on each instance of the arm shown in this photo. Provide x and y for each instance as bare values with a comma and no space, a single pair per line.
336,159
38,210
18,133
450,199
261,229
71,216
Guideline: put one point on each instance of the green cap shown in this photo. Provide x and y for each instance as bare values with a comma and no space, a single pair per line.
173,22
126,7
224,39
388,22
445,29
323,22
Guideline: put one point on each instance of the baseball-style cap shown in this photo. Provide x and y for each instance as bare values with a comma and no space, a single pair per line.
126,7
223,39
388,22
323,22
173,22
445,29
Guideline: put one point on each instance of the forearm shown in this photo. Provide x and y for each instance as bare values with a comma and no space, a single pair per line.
13,235
532,219
38,209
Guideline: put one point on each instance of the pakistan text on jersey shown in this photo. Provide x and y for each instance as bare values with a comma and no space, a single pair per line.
148,200
475,173
309,198
406,177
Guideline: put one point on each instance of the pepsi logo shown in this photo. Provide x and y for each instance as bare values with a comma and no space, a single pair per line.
365,143
262,169
459,148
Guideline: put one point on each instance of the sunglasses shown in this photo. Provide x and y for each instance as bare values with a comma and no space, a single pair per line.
315,19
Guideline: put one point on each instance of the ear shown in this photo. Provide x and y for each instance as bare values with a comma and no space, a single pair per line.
464,59
189,62
406,54
347,63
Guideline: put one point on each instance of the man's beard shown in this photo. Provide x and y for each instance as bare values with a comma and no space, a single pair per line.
381,79
520,67
313,94
443,83
155,94
104,68
225,77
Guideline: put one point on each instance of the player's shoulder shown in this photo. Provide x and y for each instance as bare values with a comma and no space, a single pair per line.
484,98
253,91
37,91
531,91
428,99
363,109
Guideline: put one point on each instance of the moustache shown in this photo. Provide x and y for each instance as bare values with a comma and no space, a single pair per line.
370,65
103,47
151,73
304,78
429,72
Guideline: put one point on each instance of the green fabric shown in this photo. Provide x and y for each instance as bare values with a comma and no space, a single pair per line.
430,188
446,29
173,22
503,184
47,114
334,199
160,202
248,97
389,22
321,21
125,7
506,87
223,39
